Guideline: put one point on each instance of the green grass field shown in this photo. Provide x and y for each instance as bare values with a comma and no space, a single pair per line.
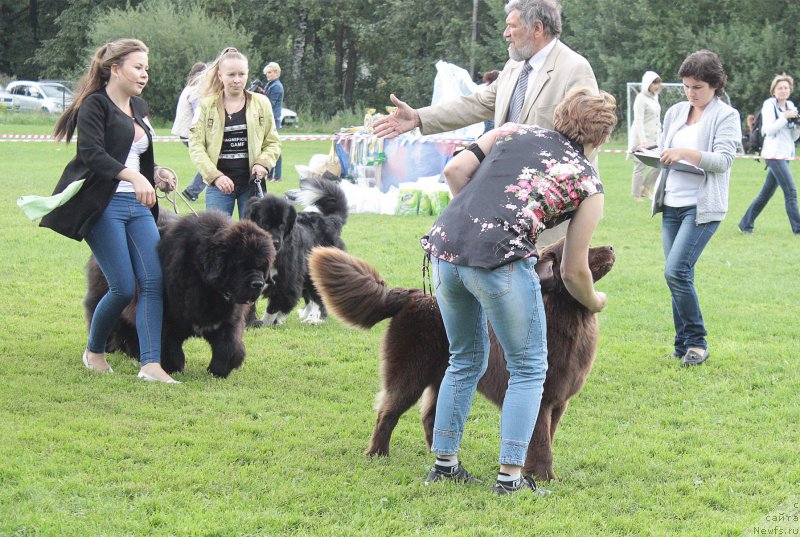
648,448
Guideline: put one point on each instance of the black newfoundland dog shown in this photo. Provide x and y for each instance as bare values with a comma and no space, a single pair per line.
415,353
214,270
294,235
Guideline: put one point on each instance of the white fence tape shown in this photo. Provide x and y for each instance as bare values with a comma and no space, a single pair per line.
304,138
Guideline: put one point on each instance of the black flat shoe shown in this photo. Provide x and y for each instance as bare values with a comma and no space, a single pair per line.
694,358
456,474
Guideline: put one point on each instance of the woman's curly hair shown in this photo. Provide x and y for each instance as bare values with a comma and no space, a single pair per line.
586,117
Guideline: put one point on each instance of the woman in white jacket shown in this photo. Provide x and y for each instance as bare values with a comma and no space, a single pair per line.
184,118
645,133
781,127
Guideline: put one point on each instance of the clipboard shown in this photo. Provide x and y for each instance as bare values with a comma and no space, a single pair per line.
652,159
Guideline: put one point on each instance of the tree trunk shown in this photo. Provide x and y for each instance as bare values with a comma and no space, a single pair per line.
473,44
299,46
338,69
350,74
317,45
33,17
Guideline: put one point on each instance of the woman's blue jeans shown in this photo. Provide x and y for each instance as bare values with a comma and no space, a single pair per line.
511,298
779,174
684,240
124,240
275,172
217,201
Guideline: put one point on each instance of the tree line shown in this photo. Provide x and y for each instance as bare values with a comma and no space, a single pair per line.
345,55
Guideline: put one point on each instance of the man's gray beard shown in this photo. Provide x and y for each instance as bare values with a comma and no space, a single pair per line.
520,54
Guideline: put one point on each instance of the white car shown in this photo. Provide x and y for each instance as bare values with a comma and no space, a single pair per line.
288,118
49,97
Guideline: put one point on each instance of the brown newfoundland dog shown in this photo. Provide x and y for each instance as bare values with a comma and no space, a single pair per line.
415,354
214,270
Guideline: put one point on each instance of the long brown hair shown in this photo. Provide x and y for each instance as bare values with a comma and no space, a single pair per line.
96,77
213,84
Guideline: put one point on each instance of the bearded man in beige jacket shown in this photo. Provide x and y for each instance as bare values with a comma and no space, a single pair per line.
532,31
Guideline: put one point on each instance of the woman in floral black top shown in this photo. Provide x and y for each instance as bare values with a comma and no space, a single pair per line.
508,187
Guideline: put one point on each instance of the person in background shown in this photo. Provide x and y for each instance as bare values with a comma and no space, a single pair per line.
273,89
184,117
781,127
645,133
488,78
116,208
508,187
703,131
234,136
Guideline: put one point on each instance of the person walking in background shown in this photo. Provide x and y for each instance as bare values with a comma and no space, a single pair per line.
184,117
541,70
273,89
234,136
781,127
484,250
116,209
645,133
703,131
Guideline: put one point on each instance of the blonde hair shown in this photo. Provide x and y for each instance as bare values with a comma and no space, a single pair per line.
212,83
274,66
783,77
96,77
585,117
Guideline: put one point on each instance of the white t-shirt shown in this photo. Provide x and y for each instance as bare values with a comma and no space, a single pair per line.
137,148
682,188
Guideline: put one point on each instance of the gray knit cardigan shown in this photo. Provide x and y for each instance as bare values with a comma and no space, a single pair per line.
720,133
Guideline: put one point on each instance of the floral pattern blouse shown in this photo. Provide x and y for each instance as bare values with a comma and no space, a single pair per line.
532,180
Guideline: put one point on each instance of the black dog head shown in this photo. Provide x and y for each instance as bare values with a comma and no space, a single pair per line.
601,259
274,215
236,260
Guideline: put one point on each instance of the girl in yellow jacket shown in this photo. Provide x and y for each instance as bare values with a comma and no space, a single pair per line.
234,136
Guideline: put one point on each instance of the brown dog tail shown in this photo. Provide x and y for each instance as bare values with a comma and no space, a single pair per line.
352,289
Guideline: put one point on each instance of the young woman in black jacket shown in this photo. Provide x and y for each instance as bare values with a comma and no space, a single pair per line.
116,208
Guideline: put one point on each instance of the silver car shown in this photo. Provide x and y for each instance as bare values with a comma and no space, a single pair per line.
48,97
288,118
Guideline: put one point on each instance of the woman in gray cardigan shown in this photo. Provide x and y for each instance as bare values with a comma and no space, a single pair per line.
702,131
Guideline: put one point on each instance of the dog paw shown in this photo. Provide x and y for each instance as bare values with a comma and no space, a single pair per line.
272,319
543,472
303,313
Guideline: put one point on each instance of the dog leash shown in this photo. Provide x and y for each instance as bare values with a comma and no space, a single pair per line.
257,180
427,275
170,184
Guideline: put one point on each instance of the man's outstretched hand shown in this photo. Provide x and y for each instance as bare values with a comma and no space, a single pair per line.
401,120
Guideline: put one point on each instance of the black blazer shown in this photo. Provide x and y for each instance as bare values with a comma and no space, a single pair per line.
105,136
